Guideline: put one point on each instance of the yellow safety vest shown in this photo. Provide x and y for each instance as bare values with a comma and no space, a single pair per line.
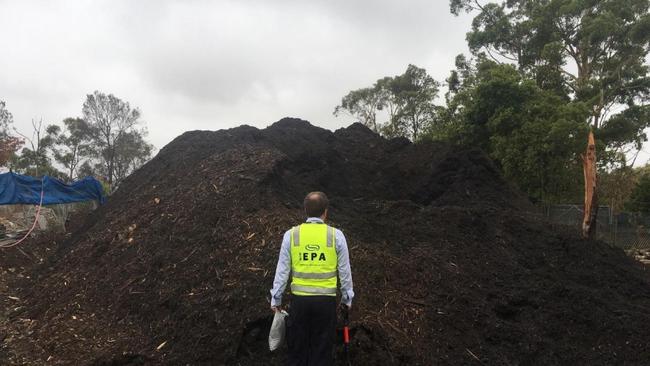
313,260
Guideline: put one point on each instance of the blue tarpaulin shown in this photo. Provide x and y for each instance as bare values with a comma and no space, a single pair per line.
23,189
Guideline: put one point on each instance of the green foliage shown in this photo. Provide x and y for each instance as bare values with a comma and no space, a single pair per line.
574,62
84,151
73,145
106,143
592,52
640,198
533,134
407,99
537,147
362,104
34,158
414,93
132,151
626,128
615,186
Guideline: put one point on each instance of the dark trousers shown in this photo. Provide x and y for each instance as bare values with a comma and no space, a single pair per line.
311,329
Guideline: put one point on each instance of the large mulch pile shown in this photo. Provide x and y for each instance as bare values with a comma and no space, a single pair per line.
450,266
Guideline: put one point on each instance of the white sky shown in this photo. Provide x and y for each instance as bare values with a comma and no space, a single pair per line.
210,65
215,64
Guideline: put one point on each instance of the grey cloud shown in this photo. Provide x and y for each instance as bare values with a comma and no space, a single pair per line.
215,64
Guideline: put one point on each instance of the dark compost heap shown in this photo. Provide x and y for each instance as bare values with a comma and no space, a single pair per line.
450,266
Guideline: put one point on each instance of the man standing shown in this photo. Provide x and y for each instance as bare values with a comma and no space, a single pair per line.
313,252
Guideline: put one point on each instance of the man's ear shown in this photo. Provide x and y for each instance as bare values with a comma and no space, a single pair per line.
325,214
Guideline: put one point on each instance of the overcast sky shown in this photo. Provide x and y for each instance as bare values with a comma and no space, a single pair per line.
215,64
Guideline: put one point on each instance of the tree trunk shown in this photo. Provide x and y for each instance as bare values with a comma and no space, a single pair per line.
591,198
111,159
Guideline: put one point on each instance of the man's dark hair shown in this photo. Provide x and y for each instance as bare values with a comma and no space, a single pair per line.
315,204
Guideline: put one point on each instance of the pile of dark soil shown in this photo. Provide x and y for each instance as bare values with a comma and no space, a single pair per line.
450,267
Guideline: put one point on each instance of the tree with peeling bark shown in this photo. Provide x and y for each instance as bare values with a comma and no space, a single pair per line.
593,52
591,195
534,135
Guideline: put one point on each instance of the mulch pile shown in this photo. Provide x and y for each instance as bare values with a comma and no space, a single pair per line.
450,265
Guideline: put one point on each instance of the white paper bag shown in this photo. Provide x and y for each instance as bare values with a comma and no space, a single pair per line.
278,330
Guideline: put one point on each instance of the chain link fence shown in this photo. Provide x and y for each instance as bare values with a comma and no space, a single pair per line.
627,230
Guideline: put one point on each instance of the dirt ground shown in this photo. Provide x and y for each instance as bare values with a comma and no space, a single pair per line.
450,264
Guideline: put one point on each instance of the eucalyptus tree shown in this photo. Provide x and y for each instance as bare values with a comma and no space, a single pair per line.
587,51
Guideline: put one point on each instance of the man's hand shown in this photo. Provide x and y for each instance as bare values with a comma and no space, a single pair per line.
276,309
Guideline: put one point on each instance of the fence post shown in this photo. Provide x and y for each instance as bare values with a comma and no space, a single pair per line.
615,230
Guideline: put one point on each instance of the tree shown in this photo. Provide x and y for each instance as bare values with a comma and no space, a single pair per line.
387,99
132,151
34,159
590,51
109,119
73,145
624,134
362,104
407,100
616,186
640,197
8,144
415,92
86,169
451,123
534,135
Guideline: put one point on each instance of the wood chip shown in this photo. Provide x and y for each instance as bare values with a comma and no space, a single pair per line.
414,301
161,346
472,354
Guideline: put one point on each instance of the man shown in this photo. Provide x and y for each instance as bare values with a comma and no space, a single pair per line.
313,252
